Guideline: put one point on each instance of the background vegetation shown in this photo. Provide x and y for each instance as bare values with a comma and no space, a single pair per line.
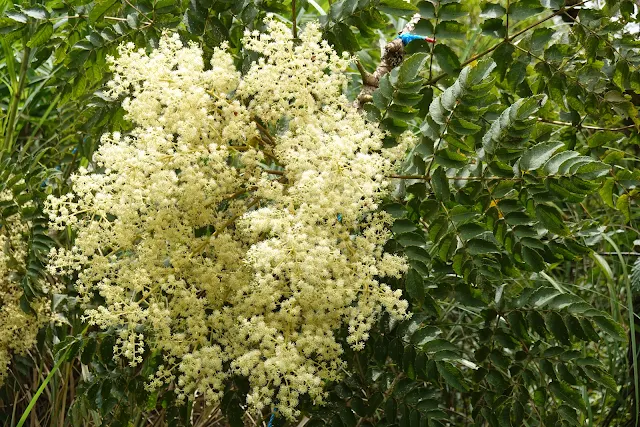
517,209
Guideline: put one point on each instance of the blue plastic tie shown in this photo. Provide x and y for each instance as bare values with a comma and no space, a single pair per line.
273,417
339,216
408,38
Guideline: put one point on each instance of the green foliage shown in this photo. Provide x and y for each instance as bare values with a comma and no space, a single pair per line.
516,209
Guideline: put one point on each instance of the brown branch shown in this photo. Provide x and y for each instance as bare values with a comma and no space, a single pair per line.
264,131
274,172
392,56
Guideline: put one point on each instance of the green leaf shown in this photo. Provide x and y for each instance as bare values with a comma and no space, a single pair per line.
36,12
538,155
536,322
451,11
424,335
440,184
42,35
450,30
99,9
605,138
556,326
463,127
347,39
524,9
481,246
613,329
492,10
479,72
438,344
623,205
88,351
532,259
411,67
495,27
539,39
606,192
569,415
451,375
551,218
446,58
471,230
16,16
593,170
415,286
426,10
553,165
398,7
567,395
600,377
528,106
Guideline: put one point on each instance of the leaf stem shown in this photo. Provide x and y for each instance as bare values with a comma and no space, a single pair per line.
293,19
590,127
457,178
506,32
15,99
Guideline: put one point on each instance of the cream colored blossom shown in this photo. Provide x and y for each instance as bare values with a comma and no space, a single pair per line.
235,228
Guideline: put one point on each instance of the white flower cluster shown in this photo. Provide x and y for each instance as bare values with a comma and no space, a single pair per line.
235,228
18,329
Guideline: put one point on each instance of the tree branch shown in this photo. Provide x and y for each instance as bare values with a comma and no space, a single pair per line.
392,56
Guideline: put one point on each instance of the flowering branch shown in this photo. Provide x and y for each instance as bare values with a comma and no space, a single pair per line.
197,147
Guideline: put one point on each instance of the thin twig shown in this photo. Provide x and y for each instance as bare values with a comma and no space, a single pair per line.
506,32
457,178
621,253
590,127
264,131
